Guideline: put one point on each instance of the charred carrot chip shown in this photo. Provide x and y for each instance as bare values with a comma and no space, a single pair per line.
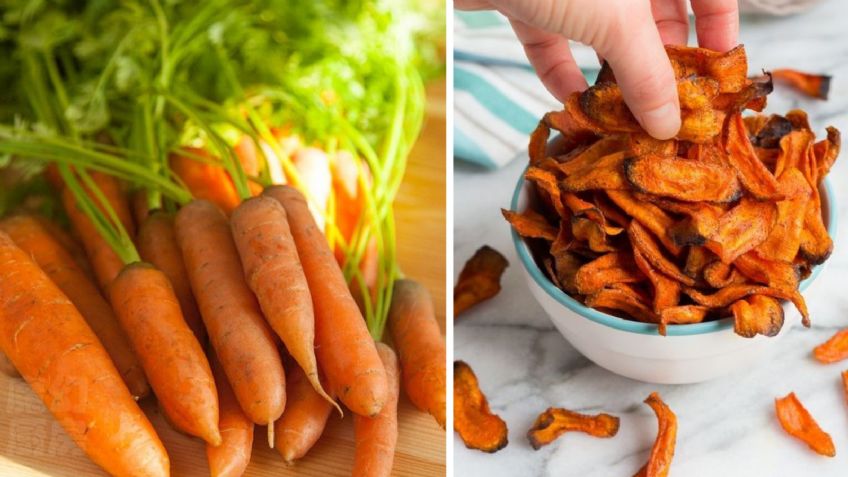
753,174
769,134
612,214
530,224
697,260
571,121
682,179
592,233
729,68
731,293
720,275
793,151
799,423
585,158
604,105
827,150
845,384
662,452
813,85
784,240
649,215
666,290
642,144
833,350
816,245
683,315
605,173
479,280
604,271
625,299
538,147
757,315
566,266
742,228
472,419
781,275
546,181
642,240
555,422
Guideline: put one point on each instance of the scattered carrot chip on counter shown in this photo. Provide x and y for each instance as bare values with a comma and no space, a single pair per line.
479,280
833,350
472,419
814,85
555,422
723,220
663,450
798,423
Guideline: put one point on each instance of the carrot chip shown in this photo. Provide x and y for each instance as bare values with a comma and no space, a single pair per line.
799,423
472,419
555,422
479,280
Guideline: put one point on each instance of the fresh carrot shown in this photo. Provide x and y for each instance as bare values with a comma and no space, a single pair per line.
376,437
420,346
140,207
48,341
29,235
229,459
69,243
157,244
106,263
345,350
304,419
205,180
237,330
274,273
176,367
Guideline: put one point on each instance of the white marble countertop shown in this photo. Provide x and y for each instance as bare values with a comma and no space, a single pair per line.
727,426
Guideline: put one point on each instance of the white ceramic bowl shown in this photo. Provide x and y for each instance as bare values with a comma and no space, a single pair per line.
688,354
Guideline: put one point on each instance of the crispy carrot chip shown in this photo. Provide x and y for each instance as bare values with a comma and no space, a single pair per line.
845,384
682,179
625,299
642,240
530,224
757,315
833,350
813,85
555,422
742,229
799,423
604,271
662,452
728,212
472,419
753,174
479,280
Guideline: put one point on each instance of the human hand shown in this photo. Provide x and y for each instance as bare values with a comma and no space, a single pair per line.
629,34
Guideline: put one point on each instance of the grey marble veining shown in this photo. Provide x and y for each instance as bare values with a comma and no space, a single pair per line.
727,426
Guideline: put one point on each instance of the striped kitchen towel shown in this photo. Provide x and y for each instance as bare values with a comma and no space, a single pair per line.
498,99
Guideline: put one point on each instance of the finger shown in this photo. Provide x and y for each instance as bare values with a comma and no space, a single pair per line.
635,52
717,23
672,21
551,57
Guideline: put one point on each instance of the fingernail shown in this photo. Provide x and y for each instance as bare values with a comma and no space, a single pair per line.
662,122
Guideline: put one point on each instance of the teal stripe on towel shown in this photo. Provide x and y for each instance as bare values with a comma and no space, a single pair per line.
481,19
496,102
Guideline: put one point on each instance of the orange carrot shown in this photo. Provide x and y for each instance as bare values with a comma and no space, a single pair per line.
304,419
140,208
273,271
229,459
157,244
420,346
376,436
237,330
48,341
206,180
171,357
106,263
30,236
69,243
345,350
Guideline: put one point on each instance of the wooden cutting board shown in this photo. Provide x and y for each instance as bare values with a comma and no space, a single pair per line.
33,444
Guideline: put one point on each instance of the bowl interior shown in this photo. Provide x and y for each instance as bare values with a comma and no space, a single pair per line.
522,197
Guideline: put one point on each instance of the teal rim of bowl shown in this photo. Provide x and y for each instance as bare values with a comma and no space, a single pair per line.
634,326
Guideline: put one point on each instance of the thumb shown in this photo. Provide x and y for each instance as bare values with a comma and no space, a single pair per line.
634,50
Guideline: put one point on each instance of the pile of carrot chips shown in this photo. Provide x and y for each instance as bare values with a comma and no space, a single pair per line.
723,220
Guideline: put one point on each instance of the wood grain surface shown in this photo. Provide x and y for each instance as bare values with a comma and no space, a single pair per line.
32,444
